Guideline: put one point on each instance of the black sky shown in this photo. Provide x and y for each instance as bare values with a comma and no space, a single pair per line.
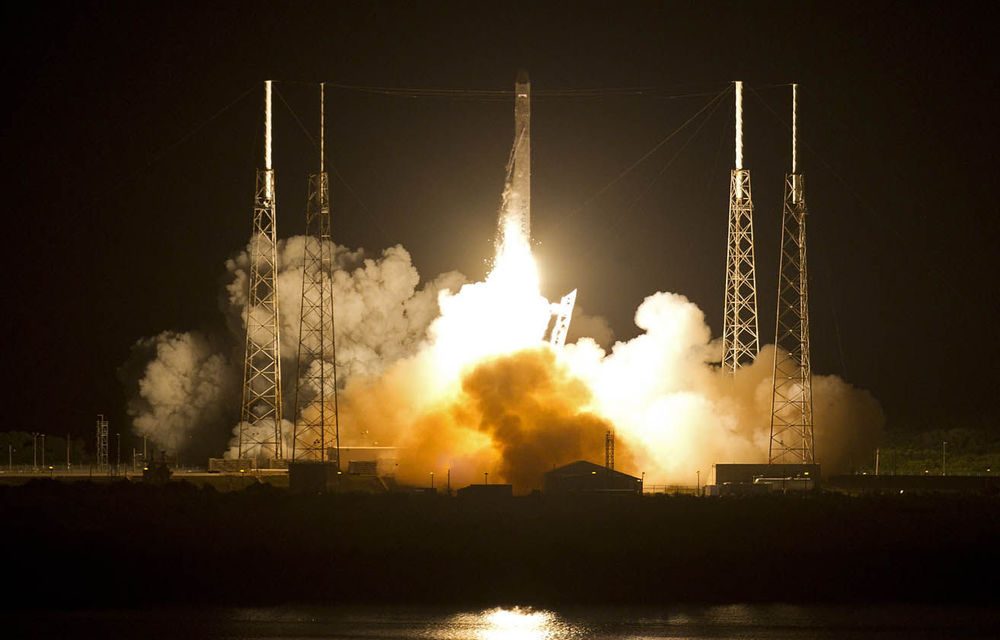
124,195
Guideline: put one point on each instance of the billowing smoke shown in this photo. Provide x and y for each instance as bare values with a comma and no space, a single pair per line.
380,313
513,415
182,393
182,388
682,414
458,377
675,413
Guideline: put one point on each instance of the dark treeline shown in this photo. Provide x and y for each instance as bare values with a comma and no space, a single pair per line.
82,545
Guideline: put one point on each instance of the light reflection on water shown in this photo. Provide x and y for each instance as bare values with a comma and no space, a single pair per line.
510,624
759,622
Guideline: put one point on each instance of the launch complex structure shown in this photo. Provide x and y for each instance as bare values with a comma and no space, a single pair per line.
316,431
792,440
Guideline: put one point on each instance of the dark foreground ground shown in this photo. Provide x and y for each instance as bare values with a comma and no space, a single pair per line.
83,545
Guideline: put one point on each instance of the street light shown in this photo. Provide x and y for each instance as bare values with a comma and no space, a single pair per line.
944,458
432,479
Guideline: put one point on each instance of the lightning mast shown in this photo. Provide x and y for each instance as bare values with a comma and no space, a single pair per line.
260,416
791,398
317,435
739,325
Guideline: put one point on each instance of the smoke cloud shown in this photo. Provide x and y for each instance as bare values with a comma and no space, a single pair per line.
182,389
183,393
457,377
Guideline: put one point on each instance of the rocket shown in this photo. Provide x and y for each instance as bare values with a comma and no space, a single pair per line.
516,213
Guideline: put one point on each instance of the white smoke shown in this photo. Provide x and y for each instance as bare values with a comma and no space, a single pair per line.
680,414
380,313
183,390
674,411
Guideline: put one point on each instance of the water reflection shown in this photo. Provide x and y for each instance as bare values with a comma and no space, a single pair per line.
512,624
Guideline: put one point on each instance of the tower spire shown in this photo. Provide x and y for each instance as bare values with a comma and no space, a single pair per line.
791,398
260,413
739,325
316,434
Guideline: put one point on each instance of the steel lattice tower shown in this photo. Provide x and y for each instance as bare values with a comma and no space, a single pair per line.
791,399
317,434
739,325
102,443
260,418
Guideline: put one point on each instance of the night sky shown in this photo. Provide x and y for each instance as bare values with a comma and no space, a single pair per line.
133,132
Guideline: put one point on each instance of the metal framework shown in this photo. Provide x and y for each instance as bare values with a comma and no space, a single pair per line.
792,438
609,449
316,435
102,443
260,416
563,312
739,326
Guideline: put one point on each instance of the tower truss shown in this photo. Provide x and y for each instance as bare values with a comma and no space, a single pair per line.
791,399
102,444
739,326
316,434
260,416
563,313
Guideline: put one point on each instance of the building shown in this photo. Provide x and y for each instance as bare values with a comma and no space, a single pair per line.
586,477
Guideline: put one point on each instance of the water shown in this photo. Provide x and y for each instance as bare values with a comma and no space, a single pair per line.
764,622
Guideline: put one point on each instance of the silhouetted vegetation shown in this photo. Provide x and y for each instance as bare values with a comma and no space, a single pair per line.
86,545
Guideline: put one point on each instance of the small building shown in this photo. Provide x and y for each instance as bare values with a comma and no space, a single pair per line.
586,477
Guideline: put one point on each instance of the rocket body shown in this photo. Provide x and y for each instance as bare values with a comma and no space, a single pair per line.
516,214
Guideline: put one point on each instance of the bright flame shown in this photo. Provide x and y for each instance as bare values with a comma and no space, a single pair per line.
503,314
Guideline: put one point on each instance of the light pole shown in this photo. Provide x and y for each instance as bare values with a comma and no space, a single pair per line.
944,458
43,450
698,485
432,479
642,484
486,477
118,455
34,451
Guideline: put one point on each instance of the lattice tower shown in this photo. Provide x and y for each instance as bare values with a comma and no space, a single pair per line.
260,417
791,399
102,443
316,435
564,313
609,449
739,327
